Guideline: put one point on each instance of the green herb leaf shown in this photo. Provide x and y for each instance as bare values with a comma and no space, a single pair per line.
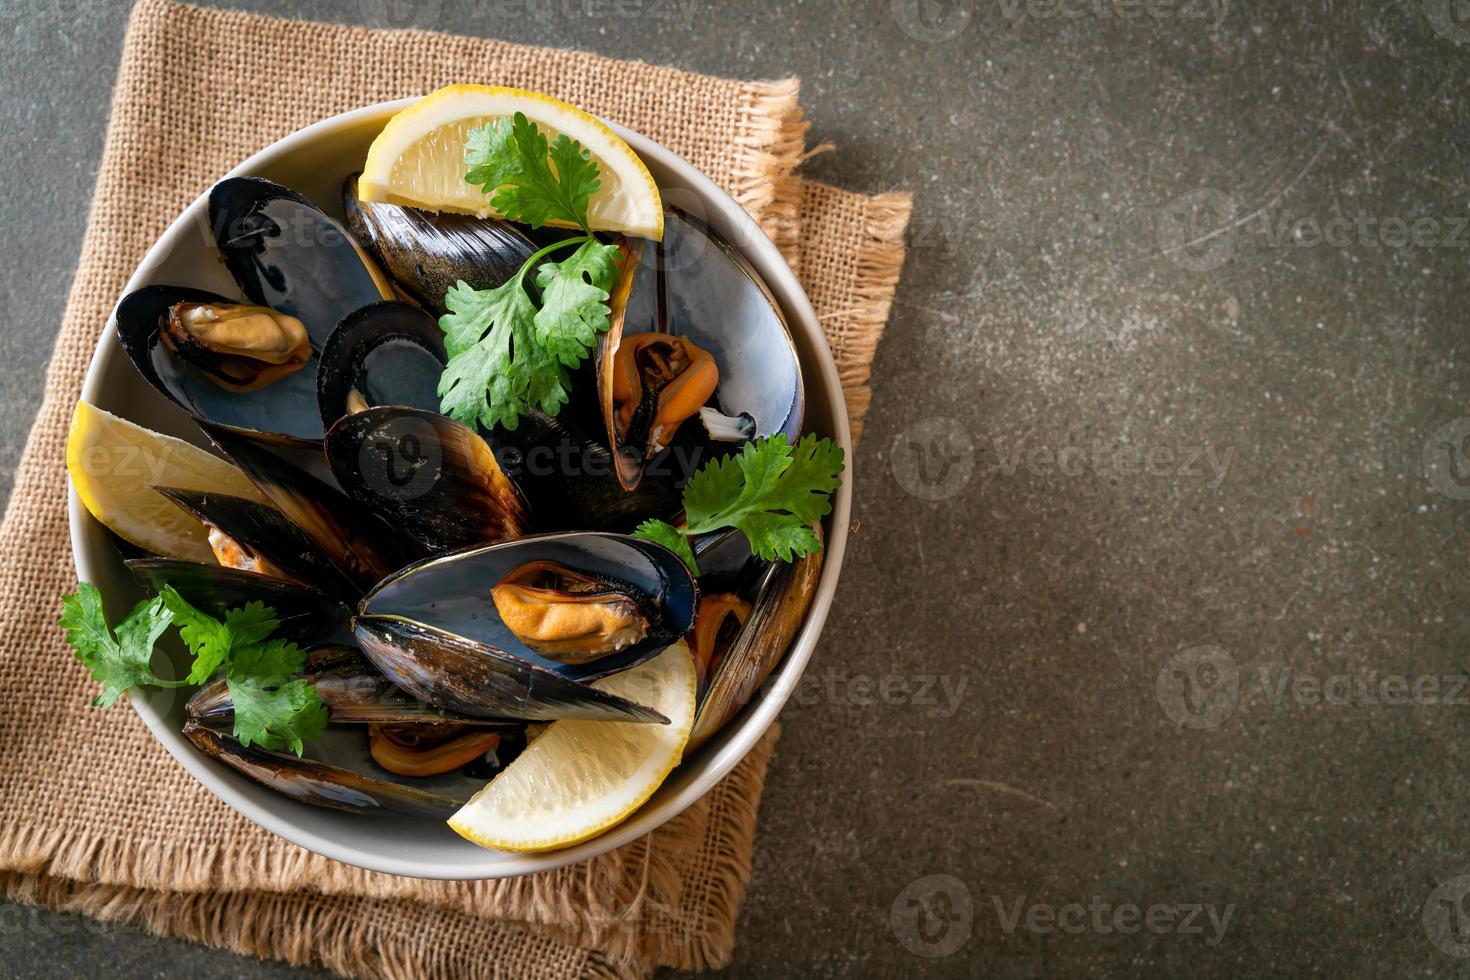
574,297
121,662
770,491
272,662
661,532
496,368
527,181
276,717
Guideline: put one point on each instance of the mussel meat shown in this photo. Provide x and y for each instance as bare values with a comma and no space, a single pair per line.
568,615
428,750
659,380
238,347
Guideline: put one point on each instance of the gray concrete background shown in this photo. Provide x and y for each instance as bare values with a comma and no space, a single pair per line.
1159,595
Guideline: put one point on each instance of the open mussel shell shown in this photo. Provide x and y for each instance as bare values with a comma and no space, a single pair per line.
359,544
427,252
471,678
324,784
305,615
288,254
266,542
283,411
382,354
452,594
694,285
430,476
779,594
353,691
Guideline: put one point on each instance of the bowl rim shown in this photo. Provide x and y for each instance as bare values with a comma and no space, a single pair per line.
725,750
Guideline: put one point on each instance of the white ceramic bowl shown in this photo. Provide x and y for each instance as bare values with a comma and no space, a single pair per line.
315,161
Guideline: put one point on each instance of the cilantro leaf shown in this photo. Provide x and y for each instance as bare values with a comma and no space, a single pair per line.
270,663
771,491
716,486
660,532
207,638
116,662
527,181
574,296
496,369
276,717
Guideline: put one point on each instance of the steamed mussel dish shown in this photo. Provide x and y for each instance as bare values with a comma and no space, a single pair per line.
511,506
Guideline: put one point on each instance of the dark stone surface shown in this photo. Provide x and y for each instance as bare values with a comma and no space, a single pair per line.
1145,449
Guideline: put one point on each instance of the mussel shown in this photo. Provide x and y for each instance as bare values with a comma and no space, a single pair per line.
323,784
305,615
357,542
258,538
427,252
742,634
353,691
697,348
433,478
249,396
382,354
288,254
436,631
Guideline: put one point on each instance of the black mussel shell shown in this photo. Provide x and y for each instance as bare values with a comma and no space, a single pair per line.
466,677
361,546
382,354
695,285
451,594
319,783
264,532
431,477
305,615
780,593
288,254
353,691
284,411
572,476
427,252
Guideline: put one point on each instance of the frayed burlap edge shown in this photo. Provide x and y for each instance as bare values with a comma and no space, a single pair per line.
861,324
773,131
289,928
134,882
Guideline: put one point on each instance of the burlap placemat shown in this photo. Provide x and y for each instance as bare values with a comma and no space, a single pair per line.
94,815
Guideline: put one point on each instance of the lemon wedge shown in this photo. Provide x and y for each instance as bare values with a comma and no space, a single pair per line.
418,158
578,778
115,465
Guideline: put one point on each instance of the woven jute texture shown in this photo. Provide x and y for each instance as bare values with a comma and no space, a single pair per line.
109,825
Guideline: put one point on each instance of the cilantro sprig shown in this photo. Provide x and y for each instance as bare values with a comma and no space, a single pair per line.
507,354
273,707
771,491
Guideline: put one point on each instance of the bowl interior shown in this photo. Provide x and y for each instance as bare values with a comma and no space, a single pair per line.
315,161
